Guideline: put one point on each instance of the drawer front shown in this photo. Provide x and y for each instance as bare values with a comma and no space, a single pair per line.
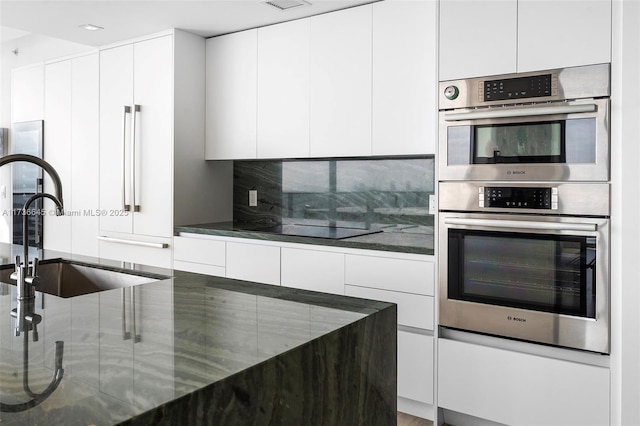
520,389
410,276
195,250
415,366
199,268
313,270
253,262
413,310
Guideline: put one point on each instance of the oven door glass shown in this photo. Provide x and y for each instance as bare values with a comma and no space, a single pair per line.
548,273
571,141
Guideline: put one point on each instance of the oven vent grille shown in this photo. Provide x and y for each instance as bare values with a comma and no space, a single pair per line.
287,4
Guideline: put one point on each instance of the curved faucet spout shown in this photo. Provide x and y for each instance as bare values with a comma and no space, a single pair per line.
13,158
24,283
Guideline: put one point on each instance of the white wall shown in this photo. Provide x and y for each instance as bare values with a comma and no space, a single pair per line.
31,49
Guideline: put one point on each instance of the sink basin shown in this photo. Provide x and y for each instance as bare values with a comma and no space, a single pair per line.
65,278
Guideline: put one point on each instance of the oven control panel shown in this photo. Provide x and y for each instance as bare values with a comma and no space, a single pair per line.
518,197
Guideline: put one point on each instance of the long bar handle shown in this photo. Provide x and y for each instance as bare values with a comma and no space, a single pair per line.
127,110
495,223
136,206
133,242
519,112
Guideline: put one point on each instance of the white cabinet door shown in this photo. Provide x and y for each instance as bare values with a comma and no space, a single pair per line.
253,262
575,33
85,162
231,92
413,310
283,90
153,84
138,74
520,389
340,84
404,77
116,93
415,366
57,151
27,94
313,270
478,38
408,276
71,147
199,255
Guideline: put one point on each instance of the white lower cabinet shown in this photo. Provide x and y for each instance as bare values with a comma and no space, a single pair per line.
410,284
414,310
201,256
313,270
409,276
520,389
253,262
406,280
415,366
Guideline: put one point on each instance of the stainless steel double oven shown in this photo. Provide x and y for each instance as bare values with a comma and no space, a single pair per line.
524,200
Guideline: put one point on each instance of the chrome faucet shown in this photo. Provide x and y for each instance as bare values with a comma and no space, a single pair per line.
25,275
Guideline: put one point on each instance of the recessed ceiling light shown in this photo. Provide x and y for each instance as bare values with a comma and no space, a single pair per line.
90,27
287,4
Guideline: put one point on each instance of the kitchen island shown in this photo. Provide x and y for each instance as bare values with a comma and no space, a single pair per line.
192,349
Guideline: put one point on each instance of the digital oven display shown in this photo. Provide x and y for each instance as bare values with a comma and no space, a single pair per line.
518,198
518,88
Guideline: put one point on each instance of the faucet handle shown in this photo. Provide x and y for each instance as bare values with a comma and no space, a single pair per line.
34,268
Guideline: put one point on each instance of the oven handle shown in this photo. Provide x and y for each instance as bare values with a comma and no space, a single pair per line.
519,112
550,226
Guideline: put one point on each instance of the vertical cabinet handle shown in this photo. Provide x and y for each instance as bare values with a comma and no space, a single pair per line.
127,110
136,205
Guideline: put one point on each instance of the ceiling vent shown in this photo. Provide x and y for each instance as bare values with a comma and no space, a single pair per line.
287,4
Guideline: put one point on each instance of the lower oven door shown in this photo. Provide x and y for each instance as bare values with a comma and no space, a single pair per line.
536,278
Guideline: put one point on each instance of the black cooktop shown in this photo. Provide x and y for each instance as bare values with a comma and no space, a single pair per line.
316,231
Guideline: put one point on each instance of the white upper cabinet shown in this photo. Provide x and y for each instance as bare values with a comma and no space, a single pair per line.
477,37
341,44
27,88
231,96
283,90
404,77
490,37
575,33
356,82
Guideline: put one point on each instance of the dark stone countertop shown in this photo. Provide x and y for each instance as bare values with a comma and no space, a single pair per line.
404,239
194,349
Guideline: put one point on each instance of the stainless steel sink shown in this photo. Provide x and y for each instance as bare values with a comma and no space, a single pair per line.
65,278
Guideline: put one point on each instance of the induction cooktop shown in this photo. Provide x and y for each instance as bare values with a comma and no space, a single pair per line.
316,231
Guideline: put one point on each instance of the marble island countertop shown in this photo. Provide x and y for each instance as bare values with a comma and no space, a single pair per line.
397,238
194,349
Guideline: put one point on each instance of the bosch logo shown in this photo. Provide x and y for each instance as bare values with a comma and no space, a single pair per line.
516,172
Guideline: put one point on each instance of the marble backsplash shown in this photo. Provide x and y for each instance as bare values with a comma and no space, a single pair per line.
373,193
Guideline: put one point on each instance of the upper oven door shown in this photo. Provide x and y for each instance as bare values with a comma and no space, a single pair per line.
559,141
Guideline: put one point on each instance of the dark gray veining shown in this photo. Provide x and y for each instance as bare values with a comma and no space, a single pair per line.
386,195
194,349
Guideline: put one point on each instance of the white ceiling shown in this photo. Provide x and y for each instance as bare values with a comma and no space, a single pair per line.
123,20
